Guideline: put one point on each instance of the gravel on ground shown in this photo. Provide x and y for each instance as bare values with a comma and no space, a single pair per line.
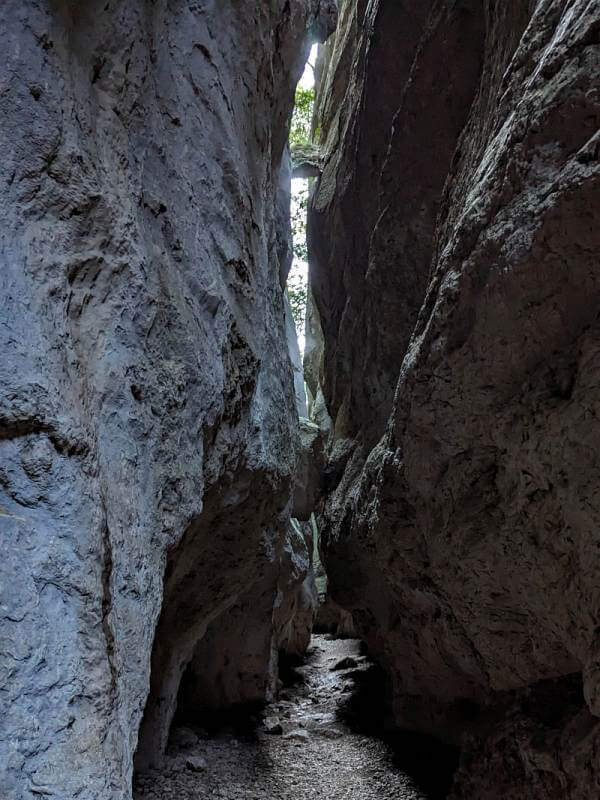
304,747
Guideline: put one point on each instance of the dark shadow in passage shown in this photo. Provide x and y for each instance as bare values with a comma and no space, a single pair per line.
289,674
430,763
240,720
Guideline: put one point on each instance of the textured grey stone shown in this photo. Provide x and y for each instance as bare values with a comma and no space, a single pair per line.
296,603
236,660
459,367
296,360
196,763
299,734
147,419
273,726
345,663
309,470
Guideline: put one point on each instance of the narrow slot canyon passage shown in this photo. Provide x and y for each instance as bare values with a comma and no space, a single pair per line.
324,738
299,400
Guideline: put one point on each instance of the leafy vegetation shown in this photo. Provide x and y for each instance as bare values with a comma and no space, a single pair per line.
298,216
297,292
300,136
300,131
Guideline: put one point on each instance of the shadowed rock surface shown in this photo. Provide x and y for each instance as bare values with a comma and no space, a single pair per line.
454,239
148,428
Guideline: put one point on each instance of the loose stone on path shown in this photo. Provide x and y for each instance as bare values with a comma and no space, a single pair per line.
305,748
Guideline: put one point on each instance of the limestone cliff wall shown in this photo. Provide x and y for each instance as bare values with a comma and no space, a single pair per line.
460,341
147,416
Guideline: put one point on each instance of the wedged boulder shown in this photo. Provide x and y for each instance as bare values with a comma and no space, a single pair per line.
461,531
147,416
331,617
296,636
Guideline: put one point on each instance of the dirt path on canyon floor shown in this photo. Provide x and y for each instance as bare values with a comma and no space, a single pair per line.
324,738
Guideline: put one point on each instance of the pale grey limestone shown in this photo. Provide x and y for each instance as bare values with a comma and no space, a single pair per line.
147,420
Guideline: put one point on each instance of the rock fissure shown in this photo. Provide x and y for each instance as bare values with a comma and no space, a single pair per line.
107,603
183,501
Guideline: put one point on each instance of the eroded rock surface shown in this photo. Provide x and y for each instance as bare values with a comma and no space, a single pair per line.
459,316
309,470
236,662
147,418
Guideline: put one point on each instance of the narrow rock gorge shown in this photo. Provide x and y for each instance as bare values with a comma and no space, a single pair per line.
167,493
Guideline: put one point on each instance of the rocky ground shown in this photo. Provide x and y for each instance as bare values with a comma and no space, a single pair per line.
325,738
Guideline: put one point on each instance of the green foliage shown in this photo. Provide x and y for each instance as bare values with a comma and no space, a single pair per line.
300,136
302,117
298,216
296,287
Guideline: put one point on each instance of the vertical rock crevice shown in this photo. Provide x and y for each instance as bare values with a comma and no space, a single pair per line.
107,603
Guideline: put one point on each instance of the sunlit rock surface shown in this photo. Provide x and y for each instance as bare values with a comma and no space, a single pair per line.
454,240
147,420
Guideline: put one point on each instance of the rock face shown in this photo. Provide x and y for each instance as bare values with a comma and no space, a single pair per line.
454,238
235,662
147,416
297,599
309,468
296,360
